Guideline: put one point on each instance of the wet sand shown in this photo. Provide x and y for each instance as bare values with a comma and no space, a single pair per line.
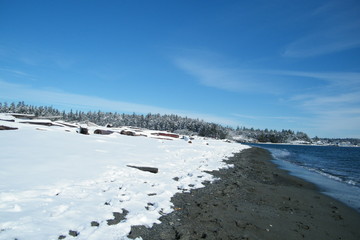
254,200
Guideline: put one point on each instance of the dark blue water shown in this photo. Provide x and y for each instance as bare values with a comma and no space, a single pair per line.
335,170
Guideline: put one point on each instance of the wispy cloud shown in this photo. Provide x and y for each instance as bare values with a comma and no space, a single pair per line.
17,72
67,101
329,76
324,43
335,125
339,90
213,74
338,30
262,117
344,80
320,101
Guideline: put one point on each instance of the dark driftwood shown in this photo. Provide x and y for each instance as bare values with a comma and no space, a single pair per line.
7,120
49,124
23,116
40,123
146,169
169,135
166,134
2,127
67,124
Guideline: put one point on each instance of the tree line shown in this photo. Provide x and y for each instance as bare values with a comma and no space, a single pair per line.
166,122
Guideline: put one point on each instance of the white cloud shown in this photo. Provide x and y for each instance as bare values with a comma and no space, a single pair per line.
211,76
329,76
234,79
261,117
336,125
15,72
334,101
331,81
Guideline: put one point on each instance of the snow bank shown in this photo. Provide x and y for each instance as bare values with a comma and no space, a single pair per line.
56,183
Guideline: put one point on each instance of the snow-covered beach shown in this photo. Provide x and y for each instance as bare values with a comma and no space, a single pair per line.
56,183
63,180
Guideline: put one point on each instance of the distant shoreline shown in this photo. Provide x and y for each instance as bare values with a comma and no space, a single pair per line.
254,200
297,144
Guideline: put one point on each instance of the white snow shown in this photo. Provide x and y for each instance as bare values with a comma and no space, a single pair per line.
53,180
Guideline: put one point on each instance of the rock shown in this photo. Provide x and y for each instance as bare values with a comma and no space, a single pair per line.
118,217
73,233
146,169
84,131
95,224
128,133
103,132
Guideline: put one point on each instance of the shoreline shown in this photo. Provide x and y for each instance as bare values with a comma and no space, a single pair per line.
254,200
326,177
297,144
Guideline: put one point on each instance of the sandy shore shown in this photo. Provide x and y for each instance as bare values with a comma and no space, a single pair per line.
255,200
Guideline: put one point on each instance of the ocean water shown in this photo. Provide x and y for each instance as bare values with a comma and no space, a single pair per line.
335,170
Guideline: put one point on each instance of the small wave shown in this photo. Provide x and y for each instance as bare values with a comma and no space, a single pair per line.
332,176
351,182
280,153
328,175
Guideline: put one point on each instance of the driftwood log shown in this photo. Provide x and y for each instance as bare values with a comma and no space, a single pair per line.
23,116
2,127
67,124
146,169
7,120
40,123
166,134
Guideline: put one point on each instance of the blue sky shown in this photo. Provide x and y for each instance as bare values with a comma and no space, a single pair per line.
262,64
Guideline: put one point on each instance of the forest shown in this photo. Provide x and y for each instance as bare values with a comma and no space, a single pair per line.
167,122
